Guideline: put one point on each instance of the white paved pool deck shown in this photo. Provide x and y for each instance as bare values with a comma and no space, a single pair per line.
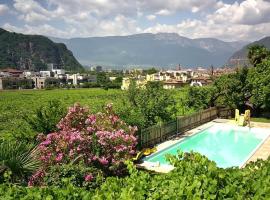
262,152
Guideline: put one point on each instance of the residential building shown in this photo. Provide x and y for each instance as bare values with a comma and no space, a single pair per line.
58,71
200,81
169,75
140,82
15,83
28,74
39,82
112,78
173,84
45,73
9,72
72,79
125,83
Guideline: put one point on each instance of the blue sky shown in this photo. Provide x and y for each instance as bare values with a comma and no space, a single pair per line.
227,20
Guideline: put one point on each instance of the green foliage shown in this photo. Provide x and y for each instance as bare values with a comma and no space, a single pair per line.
257,53
75,174
156,104
102,79
41,193
13,83
17,51
90,85
200,97
194,177
46,117
258,79
18,160
149,105
232,89
151,70
247,88
15,105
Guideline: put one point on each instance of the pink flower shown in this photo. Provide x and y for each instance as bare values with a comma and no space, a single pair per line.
88,177
103,161
91,120
46,142
85,134
36,178
59,157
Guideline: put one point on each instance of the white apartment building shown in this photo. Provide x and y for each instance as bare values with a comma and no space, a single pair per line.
45,73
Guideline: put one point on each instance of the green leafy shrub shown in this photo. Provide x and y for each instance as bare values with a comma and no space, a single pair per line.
78,175
194,177
200,97
46,117
40,193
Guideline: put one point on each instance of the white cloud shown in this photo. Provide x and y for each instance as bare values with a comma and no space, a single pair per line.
3,9
164,12
31,11
248,12
151,17
44,29
247,20
11,28
171,6
202,29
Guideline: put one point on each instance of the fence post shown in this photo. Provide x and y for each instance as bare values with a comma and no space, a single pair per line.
160,133
177,124
200,117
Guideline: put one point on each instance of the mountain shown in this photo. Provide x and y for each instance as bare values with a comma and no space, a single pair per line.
34,52
240,57
162,49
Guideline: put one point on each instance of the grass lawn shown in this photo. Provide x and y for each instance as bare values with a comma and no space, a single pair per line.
264,120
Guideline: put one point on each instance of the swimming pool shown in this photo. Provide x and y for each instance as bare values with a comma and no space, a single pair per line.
227,145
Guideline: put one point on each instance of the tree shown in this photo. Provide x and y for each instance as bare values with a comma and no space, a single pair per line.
150,105
232,89
257,53
151,70
200,97
258,81
102,79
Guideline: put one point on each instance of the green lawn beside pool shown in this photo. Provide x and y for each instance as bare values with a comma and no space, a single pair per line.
264,120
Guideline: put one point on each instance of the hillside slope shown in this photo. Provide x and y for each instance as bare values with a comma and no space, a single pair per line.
34,52
162,49
240,57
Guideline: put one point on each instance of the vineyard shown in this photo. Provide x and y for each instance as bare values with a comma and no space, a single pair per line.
15,104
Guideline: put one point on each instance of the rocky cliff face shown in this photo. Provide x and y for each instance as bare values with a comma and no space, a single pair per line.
34,52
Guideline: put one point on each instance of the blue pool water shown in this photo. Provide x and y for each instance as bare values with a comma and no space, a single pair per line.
227,145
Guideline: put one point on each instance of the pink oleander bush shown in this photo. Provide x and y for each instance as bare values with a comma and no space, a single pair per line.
101,140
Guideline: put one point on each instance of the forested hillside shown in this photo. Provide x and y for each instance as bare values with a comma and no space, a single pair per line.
34,52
